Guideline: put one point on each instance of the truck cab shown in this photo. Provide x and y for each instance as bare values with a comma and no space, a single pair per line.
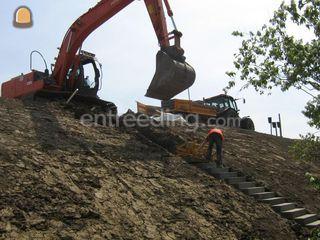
227,107
221,102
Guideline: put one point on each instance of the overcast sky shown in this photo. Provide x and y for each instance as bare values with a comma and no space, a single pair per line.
127,45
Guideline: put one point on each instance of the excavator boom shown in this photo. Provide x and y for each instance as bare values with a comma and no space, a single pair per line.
79,31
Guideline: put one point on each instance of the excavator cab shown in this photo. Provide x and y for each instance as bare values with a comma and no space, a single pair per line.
86,78
173,74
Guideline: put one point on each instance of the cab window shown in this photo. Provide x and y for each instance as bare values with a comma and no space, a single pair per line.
89,75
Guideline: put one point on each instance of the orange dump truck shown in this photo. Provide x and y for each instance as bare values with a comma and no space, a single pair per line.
220,109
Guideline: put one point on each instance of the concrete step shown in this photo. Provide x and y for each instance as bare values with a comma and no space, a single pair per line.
232,180
314,224
205,166
214,170
225,175
279,204
274,201
253,190
264,195
241,185
306,219
294,213
284,207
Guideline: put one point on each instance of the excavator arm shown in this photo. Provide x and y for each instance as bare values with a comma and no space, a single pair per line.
80,30
156,13
172,71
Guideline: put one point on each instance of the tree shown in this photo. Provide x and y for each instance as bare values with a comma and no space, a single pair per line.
306,150
272,57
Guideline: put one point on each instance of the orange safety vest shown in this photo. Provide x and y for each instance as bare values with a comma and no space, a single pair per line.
218,131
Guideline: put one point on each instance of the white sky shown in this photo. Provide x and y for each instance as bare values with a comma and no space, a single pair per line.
127,45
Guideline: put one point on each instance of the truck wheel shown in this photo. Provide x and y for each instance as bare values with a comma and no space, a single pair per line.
191,119
228,115
247,123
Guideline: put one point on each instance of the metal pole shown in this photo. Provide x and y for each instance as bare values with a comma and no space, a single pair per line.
174,24
281,135
170,14
189,96
72,96
276,130
270,122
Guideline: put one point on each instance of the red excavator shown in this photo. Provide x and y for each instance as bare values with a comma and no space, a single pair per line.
68,79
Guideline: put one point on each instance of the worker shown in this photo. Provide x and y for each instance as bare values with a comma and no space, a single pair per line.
215,136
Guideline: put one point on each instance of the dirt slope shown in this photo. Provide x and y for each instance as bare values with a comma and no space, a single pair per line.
61,180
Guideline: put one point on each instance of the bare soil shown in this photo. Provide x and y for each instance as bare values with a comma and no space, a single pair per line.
62,180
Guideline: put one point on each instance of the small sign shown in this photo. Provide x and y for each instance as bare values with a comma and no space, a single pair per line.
23,17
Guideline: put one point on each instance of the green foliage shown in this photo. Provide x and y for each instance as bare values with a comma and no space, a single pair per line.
307,149
312,112
314,181
272,57
315,235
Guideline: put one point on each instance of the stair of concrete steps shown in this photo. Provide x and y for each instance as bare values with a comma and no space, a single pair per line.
314,224
241,185
306,219
253,190
225,175
284,207
232,180
215,170
279,204
294,213
274,200
264,195
205,166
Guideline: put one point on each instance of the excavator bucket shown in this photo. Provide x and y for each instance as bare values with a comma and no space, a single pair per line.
171,78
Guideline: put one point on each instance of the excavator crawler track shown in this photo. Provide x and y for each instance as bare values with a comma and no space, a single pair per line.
90,101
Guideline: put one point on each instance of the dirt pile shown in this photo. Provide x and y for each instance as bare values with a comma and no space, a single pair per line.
62,180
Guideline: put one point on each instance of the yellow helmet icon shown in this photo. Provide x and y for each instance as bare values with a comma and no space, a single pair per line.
23,17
